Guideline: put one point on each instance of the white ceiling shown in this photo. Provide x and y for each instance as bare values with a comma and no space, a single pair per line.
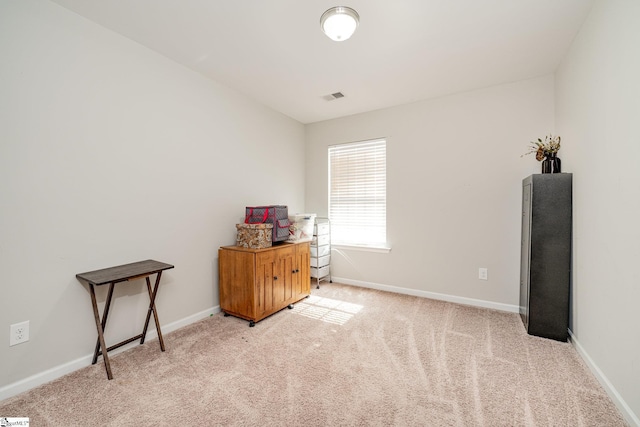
403,50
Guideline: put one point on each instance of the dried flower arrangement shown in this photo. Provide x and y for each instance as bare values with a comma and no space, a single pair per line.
543,149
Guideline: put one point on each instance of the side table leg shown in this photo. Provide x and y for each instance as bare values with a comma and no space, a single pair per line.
96,315
152,308
105,313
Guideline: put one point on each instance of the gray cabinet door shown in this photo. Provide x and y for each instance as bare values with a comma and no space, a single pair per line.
524,253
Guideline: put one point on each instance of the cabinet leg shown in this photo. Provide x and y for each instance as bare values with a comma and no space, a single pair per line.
290,306
252,323
226,315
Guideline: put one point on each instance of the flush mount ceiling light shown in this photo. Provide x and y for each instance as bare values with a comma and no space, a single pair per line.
339,23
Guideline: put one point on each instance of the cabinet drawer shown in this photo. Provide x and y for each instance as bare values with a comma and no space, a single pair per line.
321,240
320,229
319,272
321,261
320,250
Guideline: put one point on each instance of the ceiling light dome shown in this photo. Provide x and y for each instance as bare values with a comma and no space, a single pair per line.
339,23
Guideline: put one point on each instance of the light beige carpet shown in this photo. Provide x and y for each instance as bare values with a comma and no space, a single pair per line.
344,356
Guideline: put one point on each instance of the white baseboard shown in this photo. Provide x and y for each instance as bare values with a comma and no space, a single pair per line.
433,295
622,406
66,368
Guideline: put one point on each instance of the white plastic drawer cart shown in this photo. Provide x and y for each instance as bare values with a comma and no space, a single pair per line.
321,251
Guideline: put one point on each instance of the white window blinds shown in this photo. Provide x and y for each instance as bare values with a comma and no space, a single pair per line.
358,193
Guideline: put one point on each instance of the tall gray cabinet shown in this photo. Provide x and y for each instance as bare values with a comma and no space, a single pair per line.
545,265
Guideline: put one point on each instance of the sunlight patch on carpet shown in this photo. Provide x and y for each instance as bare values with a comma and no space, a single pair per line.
327,309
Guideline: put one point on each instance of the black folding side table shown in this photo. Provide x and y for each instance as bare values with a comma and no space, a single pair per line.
118,274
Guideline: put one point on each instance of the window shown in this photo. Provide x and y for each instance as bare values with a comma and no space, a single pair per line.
358,193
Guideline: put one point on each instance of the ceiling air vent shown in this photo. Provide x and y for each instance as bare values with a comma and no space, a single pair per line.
333,96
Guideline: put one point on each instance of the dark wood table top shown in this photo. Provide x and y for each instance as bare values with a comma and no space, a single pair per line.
124,272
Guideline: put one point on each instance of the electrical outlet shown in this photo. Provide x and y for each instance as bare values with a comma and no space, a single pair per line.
18,333
483,273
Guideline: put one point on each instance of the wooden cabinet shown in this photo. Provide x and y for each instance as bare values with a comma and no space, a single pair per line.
255,283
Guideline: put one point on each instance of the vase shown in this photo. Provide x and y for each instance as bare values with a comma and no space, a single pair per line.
551,164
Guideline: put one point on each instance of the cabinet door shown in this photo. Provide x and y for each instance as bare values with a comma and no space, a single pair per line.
302,282
525,254
286,258
268,280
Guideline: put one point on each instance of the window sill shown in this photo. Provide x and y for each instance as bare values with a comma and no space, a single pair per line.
377,249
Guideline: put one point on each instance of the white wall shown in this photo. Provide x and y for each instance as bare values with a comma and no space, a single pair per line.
598,115
109,154
454,175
